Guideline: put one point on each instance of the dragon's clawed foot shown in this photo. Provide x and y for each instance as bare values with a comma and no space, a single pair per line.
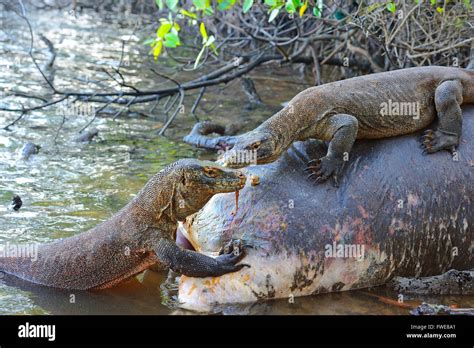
433,141
234,246
231,254
323,168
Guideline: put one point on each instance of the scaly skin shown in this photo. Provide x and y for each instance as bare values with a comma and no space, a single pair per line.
138,236
343,111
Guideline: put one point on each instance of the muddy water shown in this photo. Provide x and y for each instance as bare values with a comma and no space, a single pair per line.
69,187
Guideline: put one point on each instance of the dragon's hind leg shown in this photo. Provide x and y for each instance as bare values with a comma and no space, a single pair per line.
448,100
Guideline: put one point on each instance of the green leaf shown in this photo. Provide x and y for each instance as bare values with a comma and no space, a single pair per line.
188,14
202,29
273,14
157,49
467,4
270,3
163,30
316,12
213,48
172,4
433,2
159,3
172,39
303,8
290,6
319,5
391,7
169,44
247,5
208,11
223,5
440,10
200,4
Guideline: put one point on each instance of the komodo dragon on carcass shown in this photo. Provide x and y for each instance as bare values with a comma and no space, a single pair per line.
367,107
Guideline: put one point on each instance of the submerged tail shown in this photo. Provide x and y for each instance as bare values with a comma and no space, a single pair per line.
92,259
54,264
17,264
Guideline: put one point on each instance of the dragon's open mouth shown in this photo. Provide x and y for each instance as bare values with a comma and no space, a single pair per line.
182,238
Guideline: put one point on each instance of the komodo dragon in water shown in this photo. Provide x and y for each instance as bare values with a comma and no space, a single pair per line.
367,107
138,236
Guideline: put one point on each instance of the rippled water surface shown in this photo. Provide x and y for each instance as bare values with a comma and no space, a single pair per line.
69,187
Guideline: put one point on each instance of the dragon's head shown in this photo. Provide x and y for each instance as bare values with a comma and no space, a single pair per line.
255,147
211,178
185,186
199,181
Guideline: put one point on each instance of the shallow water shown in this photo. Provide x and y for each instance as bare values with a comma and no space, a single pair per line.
69,187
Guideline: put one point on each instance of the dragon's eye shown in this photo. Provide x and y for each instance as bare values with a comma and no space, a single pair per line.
256,145
210,172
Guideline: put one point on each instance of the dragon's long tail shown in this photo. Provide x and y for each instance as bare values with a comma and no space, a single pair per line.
198,136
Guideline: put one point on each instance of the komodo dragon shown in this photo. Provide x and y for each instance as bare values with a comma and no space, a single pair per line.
367,107
138,236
